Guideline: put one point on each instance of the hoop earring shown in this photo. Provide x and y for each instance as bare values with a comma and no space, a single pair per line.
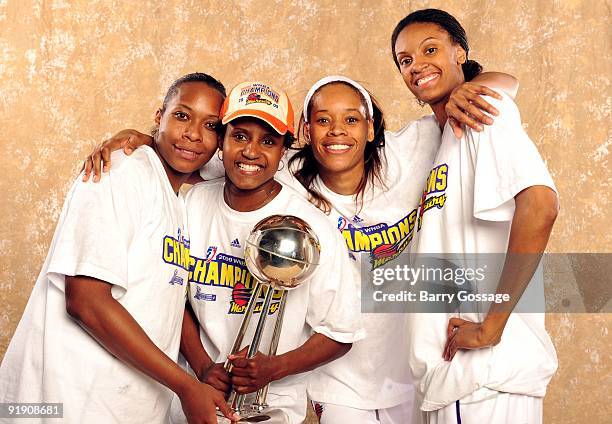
420,102
220,155
281,167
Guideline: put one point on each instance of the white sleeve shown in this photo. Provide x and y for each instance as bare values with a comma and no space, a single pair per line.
333,307
410,150
506,162
98,221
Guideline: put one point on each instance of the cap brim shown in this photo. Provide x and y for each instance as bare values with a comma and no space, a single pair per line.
274,122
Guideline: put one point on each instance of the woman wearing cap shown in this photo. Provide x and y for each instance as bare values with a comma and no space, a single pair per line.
499,199
322,317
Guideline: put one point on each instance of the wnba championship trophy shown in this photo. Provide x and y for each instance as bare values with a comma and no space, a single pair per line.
281,252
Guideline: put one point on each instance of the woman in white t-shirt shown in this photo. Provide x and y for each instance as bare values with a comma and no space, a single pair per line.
358,175
322,317
488,193
101,331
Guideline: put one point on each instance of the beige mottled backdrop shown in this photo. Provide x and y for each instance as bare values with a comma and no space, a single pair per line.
72,73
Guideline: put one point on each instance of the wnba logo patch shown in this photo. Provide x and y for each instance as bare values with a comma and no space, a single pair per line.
210,253
342,223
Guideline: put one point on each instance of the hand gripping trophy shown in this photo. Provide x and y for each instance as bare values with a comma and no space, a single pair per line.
281,252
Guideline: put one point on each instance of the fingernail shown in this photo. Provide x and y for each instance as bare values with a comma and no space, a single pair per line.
105,168
495,112
489,121
479,128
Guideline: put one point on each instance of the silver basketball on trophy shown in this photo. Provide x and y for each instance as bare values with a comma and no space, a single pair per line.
283,251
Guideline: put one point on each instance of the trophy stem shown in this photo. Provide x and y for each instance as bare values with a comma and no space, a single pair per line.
245,323
262,393
261,324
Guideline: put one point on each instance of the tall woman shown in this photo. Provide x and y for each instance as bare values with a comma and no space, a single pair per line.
498,198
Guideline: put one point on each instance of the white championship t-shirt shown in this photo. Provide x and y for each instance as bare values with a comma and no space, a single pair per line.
220,284
127,230
467,208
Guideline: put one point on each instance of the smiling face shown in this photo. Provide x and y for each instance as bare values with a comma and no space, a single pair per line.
338,130
252,151
186,138
430,63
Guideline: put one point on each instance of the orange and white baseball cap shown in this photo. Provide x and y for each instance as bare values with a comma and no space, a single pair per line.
262,101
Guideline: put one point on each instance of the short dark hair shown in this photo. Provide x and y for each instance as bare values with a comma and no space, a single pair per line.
448,23
212,82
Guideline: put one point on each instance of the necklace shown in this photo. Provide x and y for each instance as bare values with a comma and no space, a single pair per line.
241,201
